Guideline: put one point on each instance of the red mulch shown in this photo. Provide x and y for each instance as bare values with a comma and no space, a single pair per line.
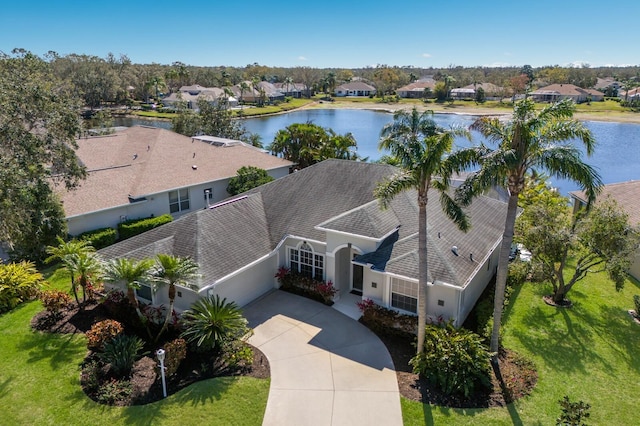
518,379
145,381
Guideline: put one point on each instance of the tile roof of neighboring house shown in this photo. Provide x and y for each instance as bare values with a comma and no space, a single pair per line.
334,194
356,85
630,93
417,86
565,90
603,83
626,194
489,88
141,161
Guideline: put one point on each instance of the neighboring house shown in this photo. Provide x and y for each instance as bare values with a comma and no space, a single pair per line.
416,90
323,221
293,90
145,171
191,94
631,95
355,88
627,196
609,83
491,91
557,92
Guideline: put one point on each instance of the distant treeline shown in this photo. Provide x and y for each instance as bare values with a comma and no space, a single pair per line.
115,80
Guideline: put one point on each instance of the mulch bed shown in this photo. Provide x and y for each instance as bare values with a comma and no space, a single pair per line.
514,379
145,380
566,303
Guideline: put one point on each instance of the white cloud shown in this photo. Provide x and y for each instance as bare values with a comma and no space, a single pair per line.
426,55
302,58
498,65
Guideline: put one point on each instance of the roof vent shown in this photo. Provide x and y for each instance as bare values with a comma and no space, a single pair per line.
194,167
471,256
454,250
438,235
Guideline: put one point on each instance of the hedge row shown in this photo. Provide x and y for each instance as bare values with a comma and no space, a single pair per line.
137,226
100,238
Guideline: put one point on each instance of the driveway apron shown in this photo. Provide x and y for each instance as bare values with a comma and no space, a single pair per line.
326,368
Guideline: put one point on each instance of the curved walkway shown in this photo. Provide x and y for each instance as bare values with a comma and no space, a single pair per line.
326,369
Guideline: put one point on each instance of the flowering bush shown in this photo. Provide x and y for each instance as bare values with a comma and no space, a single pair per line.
54,301
102,332
176,351
306,286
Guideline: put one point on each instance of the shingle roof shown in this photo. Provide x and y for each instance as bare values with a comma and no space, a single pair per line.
487,216
222,239
333,194
356,85
141,161
626,194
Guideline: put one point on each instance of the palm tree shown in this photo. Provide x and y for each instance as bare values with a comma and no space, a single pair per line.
133,273
89,267
422,149
211,322
172,270
529,140
65,253
243,87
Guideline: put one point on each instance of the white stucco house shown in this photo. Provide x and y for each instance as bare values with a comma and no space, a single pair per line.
323,221
355,88
145,171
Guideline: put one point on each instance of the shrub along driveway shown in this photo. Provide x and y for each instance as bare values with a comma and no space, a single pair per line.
326,369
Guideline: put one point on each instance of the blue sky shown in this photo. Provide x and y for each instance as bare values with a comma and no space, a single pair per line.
329,33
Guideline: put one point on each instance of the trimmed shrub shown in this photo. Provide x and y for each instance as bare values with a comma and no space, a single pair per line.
387,321
305,286
455,360
102,332
99,238
114,391
54,301
176,351
121,353
134,227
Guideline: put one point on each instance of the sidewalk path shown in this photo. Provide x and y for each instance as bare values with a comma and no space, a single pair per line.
326,368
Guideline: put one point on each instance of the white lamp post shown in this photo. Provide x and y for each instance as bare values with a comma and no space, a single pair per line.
161,353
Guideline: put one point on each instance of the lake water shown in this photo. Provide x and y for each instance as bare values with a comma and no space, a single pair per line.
617,154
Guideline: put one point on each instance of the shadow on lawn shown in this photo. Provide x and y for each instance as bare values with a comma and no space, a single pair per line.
59,349
563,337
193,396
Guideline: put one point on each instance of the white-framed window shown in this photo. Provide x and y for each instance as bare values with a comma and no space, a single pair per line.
145,292
305,261
404,295
179,200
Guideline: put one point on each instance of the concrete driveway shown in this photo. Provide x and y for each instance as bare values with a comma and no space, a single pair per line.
326,368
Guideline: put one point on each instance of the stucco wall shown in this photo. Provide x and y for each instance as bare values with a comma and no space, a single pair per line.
155,204
249,284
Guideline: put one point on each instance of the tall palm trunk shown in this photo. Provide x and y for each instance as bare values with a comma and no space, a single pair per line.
503,269
423,276
74,289
131,295
172,297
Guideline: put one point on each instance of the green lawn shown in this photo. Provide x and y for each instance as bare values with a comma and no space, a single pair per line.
589,352
39,385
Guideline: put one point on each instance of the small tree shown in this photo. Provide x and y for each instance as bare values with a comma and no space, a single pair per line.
480,97
599,240
573,413
248,177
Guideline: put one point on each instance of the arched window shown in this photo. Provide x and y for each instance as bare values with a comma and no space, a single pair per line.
305,261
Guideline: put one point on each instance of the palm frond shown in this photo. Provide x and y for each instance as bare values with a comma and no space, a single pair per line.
394,185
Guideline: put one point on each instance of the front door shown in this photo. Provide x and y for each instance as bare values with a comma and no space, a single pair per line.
358,272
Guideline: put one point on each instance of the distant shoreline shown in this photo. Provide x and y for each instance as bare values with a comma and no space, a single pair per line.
458,109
